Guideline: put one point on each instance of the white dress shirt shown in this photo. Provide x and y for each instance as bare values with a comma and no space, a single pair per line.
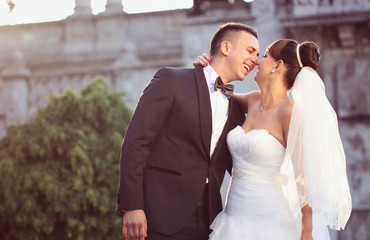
219,105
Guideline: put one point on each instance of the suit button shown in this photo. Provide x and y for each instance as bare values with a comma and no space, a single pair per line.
206,180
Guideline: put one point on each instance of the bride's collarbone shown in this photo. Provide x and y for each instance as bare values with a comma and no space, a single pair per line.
269,121
261,123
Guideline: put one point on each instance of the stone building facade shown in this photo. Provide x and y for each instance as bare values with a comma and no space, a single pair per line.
43,58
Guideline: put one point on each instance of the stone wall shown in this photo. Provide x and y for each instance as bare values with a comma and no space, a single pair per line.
39,59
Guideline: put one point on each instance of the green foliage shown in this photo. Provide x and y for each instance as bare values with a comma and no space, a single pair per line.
59,173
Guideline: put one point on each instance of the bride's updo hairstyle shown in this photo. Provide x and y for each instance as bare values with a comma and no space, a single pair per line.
285,50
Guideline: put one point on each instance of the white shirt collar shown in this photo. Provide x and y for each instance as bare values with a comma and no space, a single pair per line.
211,77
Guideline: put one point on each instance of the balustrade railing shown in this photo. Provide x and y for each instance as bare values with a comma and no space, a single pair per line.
318,7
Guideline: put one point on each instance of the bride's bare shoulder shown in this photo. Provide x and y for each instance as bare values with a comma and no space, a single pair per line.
286,109
247,97
285,113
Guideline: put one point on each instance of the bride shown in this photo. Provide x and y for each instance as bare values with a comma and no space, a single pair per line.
289,177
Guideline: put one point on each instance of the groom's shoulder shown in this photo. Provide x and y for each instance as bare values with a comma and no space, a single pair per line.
174,72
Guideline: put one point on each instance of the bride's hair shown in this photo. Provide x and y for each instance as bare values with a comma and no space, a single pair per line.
285,50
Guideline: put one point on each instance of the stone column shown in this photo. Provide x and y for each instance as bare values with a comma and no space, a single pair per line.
83,7
113,6
15,78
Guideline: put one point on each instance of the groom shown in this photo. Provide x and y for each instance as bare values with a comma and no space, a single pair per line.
174,154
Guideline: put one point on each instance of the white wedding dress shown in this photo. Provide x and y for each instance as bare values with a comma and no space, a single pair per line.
256,208
270,184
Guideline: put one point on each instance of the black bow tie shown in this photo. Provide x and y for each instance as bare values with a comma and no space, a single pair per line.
226,89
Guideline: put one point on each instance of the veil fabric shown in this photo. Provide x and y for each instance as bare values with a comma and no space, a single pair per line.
314,167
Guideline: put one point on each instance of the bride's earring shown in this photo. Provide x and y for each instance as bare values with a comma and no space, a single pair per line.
273,71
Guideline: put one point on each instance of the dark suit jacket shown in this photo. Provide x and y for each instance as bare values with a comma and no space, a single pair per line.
165,154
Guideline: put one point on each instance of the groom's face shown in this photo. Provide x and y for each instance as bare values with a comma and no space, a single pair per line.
244,55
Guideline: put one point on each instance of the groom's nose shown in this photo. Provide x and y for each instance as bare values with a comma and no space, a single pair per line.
255,61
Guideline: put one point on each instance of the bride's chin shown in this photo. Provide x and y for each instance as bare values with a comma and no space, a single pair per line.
256,76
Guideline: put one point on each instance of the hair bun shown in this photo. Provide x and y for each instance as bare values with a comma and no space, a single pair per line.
310,54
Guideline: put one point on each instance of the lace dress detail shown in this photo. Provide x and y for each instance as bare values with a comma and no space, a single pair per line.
236,173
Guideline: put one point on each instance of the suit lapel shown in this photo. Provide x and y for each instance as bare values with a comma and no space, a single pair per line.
226,128
205,111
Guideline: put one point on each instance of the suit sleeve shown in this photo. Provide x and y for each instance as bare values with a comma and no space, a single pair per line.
150,115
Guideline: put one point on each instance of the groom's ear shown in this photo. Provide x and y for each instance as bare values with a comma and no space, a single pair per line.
225,47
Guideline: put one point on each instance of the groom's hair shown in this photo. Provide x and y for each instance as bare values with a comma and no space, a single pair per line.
228,32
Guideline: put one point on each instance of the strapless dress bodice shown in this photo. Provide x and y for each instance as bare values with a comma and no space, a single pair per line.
256,154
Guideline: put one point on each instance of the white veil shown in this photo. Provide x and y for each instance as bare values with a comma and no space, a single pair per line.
314,168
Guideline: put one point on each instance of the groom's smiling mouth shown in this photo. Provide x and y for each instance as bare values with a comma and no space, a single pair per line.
246,66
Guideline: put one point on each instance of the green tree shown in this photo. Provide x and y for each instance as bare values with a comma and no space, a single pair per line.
59,173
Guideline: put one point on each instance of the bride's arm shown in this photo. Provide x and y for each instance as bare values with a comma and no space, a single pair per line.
306,223
245,99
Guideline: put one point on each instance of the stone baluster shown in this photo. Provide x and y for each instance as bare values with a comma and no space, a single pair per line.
263,9
113,6
83,7
325,6
15,77
80,30
305,7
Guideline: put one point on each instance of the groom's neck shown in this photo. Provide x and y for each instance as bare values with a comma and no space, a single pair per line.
221,69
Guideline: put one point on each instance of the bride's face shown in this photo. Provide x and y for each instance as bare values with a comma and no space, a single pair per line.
265,67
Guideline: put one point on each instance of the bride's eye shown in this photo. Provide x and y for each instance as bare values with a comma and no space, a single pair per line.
264,55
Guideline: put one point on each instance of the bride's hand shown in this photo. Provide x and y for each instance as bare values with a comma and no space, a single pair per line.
306,235
306,223
203,59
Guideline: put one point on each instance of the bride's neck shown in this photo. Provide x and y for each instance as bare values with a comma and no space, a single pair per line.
271,95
